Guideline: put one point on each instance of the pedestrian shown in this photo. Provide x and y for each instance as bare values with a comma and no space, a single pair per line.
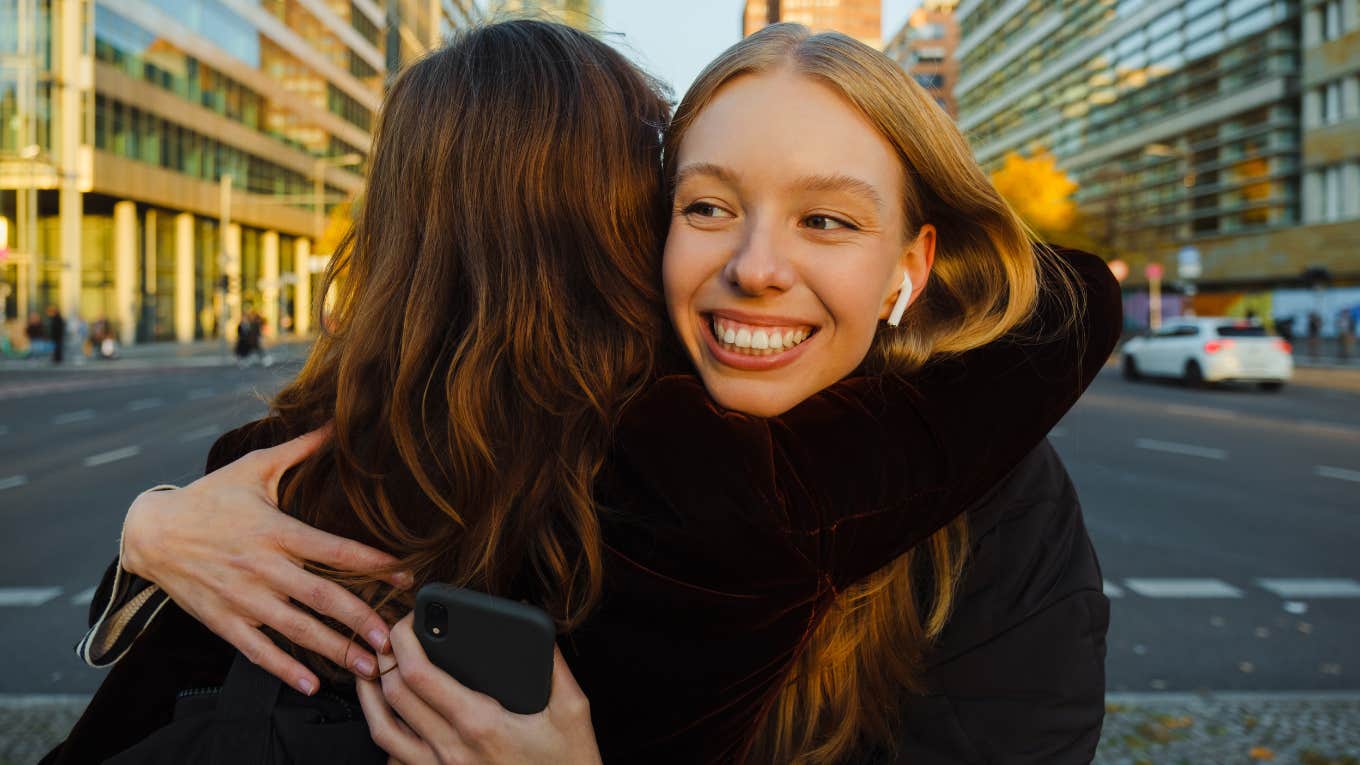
1345,332
1315,334
56,329
247,338
741,520
36,333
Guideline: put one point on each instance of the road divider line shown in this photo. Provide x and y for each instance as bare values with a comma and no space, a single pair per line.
1303,589
1188,450
1183,588
1341,474
200,394
27,596
67,418
13,482
83,598
1207,412
144,403
1113,590
207,431
105,458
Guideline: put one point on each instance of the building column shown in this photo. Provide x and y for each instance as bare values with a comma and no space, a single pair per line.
184,278
146,321
231,245
125,271
69,123
269,289
302,290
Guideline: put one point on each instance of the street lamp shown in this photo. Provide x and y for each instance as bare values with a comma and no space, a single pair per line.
319,187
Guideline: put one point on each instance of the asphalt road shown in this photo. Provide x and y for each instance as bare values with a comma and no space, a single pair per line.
1227,520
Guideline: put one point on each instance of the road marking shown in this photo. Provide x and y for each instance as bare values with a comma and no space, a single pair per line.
1113,590
1208,412
105,458
144,403
1057,432
1302,589
1338,473
80,415
83,598
200,393
1183,588
1189,450
13,482
27,596
204,432
1327,428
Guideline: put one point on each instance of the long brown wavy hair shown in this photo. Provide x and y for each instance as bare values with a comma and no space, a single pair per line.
842,696
495,304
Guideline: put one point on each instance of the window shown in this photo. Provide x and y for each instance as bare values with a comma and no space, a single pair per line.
1331,20
1331,102
930,81
1331,193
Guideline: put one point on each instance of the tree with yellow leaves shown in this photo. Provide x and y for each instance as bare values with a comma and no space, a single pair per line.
1041,193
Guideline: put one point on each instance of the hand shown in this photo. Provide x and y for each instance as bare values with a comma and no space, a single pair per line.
223,552
442,722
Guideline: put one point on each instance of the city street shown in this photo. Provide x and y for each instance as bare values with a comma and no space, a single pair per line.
1226,520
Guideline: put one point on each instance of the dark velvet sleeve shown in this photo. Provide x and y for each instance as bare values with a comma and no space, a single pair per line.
867,468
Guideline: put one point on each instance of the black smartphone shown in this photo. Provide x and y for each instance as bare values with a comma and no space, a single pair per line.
492,645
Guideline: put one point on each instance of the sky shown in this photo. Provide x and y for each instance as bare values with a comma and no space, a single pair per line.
675,39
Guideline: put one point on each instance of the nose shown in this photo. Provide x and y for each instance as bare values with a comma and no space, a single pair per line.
758,266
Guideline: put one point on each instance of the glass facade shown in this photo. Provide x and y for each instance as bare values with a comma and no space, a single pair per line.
1179,120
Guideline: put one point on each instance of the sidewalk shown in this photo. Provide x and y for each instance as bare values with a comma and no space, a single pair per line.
162,355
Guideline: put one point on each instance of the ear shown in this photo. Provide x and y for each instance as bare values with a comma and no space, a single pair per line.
916,260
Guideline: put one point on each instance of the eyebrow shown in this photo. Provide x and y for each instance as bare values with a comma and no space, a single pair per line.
833,182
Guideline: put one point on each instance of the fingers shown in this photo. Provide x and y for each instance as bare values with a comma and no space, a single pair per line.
567,700
428,724
468,710
326,597
261,650
306,631
277,459
390,734
313,544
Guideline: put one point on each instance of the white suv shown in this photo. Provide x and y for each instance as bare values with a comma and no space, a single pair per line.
1205,350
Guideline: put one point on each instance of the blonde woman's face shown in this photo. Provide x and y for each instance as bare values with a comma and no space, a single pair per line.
787,242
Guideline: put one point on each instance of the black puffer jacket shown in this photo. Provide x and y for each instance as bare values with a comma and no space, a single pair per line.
1019,674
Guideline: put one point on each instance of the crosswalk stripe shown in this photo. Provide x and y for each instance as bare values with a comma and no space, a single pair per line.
105,458
1113,590
1183,588
1312,588
67,418
13,482
1339,473
83,598
1188,450
27,596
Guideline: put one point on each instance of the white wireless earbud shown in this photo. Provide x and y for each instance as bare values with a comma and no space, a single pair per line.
903,298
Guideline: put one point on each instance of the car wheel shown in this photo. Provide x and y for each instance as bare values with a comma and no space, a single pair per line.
1131,369
1194,376
1274,386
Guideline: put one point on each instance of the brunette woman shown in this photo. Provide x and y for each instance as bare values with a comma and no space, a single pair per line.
719,559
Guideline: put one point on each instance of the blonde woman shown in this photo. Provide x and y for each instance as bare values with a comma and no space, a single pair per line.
829,236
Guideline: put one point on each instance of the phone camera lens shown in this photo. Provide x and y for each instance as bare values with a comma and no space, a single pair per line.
437,619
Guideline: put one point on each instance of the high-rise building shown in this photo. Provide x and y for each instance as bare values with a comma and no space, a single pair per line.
164,163
1179,120
861,19
1331,120
583,14
925,46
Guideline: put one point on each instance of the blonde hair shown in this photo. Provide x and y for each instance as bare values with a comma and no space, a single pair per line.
868,648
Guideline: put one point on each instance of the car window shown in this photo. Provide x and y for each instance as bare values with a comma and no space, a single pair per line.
1241,330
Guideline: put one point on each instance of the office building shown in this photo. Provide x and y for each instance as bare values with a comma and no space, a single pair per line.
925,46
1180,120
861,19
583,14
166,163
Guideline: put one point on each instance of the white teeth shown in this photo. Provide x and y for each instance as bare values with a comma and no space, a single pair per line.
759,340
776,340
730,336
743,338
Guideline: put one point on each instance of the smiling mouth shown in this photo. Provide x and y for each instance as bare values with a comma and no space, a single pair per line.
757,339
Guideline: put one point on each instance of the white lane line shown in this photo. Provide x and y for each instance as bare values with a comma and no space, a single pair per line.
144,403
27,596
207,431
1207,412
83,597
13,482
1343,474
1188,450
1113,590
105,458
1327,428
200,394
1183,588
80,415
1302,589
